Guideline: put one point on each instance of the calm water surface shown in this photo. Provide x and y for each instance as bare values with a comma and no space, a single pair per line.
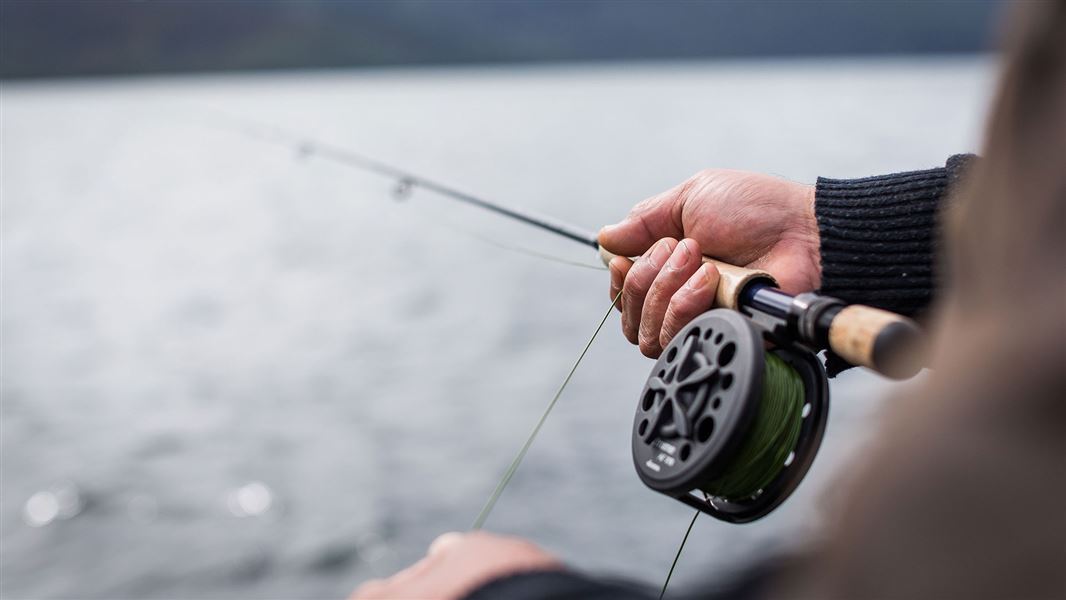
229,371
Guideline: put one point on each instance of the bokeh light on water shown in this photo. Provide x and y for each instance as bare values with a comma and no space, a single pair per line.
41,509
62,500
252,499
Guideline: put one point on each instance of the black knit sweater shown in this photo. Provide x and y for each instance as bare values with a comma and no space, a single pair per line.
878,244
879,236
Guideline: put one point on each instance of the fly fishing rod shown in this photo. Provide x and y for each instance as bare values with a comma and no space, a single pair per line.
724,424
735,408
861,335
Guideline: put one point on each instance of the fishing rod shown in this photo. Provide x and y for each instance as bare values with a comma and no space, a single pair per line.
406,180
735,408
734,411
861,335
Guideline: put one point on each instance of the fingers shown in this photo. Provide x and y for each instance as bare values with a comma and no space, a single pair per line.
682,263
653,219
368,590
637,283
406,578
619,268
456,564
443,542
387,588
691,300
662,291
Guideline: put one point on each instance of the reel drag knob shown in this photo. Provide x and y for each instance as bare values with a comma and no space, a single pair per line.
702,406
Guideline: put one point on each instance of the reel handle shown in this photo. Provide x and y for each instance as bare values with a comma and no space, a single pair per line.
865,336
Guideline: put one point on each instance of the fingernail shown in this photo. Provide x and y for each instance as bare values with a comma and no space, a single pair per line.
680,256
698,279
659,253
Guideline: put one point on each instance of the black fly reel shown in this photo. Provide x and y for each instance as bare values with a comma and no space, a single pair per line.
701,405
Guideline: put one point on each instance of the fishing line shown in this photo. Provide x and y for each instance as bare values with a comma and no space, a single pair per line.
487,509
677,556
529,251
452,226
773,436
766,450
722,417
307,146
406,182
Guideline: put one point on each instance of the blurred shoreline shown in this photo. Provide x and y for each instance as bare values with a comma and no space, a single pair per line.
70,37
753,64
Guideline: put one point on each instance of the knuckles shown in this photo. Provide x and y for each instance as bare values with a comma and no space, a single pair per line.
668,330
649,342
697,181
703,174
672,320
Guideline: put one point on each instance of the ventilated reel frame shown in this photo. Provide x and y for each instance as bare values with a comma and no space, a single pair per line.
700,403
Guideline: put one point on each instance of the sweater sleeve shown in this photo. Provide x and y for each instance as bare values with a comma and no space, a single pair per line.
752,583
879,236
558,585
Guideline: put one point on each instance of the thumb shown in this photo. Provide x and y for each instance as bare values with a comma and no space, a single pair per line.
443,542
650,221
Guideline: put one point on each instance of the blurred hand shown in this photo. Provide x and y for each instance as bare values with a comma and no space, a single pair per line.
746,219
458,563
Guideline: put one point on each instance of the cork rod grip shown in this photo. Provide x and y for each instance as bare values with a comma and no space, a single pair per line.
880,340
732,280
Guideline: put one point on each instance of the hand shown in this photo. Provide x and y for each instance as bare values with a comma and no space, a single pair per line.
746,219
457,564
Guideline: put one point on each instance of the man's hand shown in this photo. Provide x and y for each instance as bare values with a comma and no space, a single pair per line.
457,564
746,219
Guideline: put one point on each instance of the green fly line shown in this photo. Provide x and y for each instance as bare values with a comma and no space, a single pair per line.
773,436
484,514
677,555
763,454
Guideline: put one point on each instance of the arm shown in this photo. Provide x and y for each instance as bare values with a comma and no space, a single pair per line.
878,236
868,240
485,566
557,585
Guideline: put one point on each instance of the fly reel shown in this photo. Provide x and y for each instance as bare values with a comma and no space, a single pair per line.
731,417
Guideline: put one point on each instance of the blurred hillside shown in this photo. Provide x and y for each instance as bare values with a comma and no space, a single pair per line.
50,38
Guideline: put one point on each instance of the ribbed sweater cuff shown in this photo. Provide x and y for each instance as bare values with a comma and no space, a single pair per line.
879,236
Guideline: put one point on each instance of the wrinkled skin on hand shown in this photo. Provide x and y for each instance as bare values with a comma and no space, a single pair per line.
457,564
746,219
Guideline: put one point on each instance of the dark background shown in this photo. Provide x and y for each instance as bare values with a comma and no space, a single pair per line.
42,38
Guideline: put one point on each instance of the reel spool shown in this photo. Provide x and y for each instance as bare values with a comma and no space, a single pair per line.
702,403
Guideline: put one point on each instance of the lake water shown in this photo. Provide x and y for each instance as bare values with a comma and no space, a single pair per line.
232,372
